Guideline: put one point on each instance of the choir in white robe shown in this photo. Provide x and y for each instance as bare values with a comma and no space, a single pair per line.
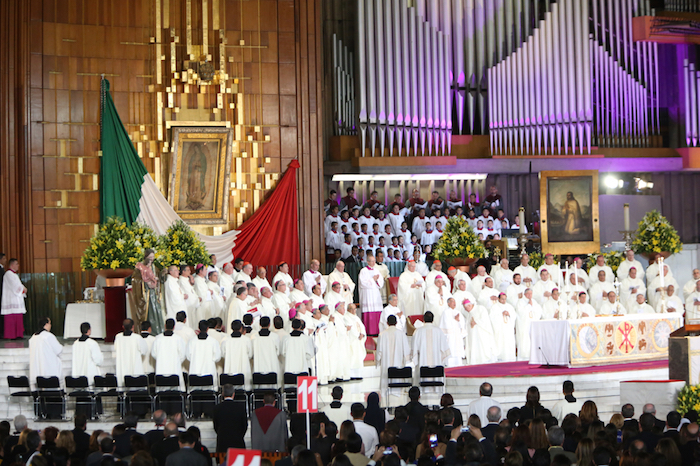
393,350
204,309
285,278
192,300
237,351
504,330
44,356
203,354
411,298
312,278
174,298
347,286
482,343
169,353
526,312
129,351
299,352
454,325
390,310
86,359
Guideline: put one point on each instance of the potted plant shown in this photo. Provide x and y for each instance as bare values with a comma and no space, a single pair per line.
458,245
113,251
656,236
181,245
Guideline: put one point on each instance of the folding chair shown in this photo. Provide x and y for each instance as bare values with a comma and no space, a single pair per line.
200,391
49,395
19,388
136,394
167,390
289,390
78,388
404,375
264,383
106,387
238,382
436,374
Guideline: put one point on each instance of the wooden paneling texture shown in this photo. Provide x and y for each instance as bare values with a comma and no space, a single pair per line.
53,53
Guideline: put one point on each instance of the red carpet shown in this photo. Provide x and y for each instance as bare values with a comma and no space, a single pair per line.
523,369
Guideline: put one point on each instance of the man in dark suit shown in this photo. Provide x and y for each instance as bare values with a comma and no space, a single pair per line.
230,421
3,267
80,437
185,456
122,442
155,435
106,450
646,424
651,409
627,412
493,415
355,257
673,420
167,445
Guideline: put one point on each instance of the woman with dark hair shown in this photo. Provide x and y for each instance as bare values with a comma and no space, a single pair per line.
521,442
375,416
532,404
588,415
538,435
446,401
668,448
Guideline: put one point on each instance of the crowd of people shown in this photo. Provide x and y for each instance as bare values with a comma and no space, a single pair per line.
364,434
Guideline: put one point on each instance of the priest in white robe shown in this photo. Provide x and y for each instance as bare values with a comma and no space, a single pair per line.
393,350
357,336
237,307
183,328
656,288
551,267
237,351
581,308
478,281
203,352
503,318
527,310
297,295
463,292
282,303
456,276
218,300
454,325
267,348
227,284
245,275
624,268
175,300
260,279
283,276
489,294
316,297
129,348
630,286
169,351
502,275
149,364
692,303
347,286
543,288
528,274
299,352
339,344
691,284
206,295
555,306
12,305
267,307
482,343
321,341
333,295
576,269
44,354
640,306
436,298
371,282
392,309
313,277
652,270
430,345
594,275
87,357
611,306
193,300
411,290
516,291
670,303
434,274
600,289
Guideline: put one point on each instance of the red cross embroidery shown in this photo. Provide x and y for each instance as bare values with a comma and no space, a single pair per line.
626,330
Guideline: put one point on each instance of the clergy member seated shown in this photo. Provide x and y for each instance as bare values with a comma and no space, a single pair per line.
611,306
640,306
692,303
268,426
87,356
671,302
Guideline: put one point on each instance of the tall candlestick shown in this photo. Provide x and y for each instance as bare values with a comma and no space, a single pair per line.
627,216
660,261
521,218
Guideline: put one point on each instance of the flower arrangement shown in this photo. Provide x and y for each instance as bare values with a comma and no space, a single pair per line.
688,399
115,246
458,241
181,245
613,259
656,234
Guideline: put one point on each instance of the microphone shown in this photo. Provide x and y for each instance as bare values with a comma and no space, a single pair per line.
545,356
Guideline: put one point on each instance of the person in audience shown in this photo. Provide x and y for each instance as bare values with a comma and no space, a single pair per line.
481,405
370,438
268,426
649,408
87,356
230,421
154,435
122,441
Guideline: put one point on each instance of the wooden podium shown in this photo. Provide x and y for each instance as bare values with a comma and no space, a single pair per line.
684,354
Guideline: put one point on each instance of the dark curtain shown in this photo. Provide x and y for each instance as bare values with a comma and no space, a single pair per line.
680,202
518,190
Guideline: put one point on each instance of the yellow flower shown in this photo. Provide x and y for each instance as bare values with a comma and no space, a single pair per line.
114,264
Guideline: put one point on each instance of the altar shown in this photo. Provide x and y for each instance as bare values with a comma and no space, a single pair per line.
602,340
77,313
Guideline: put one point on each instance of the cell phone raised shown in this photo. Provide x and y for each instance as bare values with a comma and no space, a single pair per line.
388,451
433,441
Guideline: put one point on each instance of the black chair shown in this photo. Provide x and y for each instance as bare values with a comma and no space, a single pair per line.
403,378
289,390
200,391
19,388
106,387
436,374
136,394
50,396
168,390
78,388
238,382
264,383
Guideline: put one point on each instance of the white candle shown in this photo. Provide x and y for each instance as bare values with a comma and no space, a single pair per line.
661,271
521,218
627,217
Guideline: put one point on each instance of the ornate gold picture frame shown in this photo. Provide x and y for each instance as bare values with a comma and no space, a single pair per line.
569,216
200,173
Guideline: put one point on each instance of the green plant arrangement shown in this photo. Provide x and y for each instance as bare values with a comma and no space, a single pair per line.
688,399
458,242
115,246
655,234
613,259
180,245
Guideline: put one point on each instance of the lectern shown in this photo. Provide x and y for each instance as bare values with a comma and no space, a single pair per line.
684,354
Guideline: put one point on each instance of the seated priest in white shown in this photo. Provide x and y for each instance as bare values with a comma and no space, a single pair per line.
392,309
692,303
594,275
574,288
581,308
653,270
503,322
129,348
611,306
347,286
245,275
260,279
281,302
87,356
393,350
640,306
623,269
436,298
655,289
582,278
691,284
237,351
543,288
435,272
552,267
267,348
175,300
600,289
149,364
516,291
44,353
316,297
670,303
186,285
454,325
489,294
456,276
411,290
630,286
333,295
283,276
528,274
526,311
312,277
169,351
502,275
203,352
481,346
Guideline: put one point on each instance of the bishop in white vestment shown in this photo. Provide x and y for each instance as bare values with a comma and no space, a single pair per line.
392,309
502,275
175,300
482,343
312,277
503,318
436,299
411,290
527,310
611,306
371,282
454,325
640,306
489,295
283,276
347,286
430,345
528,274
260,279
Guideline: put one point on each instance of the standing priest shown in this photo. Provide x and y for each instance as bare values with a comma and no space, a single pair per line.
13,296
175,298
371,282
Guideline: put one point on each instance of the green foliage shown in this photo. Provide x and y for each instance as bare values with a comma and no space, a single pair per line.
656,234
613,259
115,246
537,259
181,245
458,241
688,399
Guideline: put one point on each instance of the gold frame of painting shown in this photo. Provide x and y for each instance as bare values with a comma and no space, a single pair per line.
200,196
569,231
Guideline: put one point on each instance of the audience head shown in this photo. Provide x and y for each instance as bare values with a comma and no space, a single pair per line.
107,445
159,417
627,411
493,414
357,411
186,439
20,423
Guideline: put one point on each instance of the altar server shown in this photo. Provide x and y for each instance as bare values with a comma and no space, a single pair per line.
129,348
527,310
593,272
44,353
203,353
640,306
630,286
182,327
193,300
237,351
175,300
411,290
430,345
12,305
482,344
267,348
392,309
528,274
691,284
169,351
671,302
347,286
312,277
371,282
204,292
453,324
298,350
692,303
393,350
283,275
630,262
87,356
611,306
503,322
149,364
